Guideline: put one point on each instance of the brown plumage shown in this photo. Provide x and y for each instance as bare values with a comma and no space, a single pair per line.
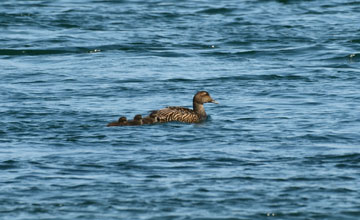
173,113
121,122
137,121
149,120
181,114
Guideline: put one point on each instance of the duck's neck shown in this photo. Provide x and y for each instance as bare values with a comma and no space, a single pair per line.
199,109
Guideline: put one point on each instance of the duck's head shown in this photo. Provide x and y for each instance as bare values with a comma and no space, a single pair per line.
122,119
137,117
203,97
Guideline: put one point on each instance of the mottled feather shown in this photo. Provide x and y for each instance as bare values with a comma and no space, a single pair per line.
176,113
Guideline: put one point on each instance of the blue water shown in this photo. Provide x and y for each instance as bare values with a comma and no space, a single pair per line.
284,142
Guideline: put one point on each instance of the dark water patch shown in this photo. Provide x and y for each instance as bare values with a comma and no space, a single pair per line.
347,166
339,160
326,137
181,80
110,1
354,213
155,176
52,51
229,160
191,159
264,77
339,59
213,11
357,40
300,52
149,49
162,16
9,164
93,165
34,52
237,43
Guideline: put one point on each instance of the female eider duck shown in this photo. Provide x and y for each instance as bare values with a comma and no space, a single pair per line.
173,113
181,114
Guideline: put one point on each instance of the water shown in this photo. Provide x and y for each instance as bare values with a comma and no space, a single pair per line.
282,144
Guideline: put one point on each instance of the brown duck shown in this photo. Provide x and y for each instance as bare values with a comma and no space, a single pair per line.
181,114
175,113
121,122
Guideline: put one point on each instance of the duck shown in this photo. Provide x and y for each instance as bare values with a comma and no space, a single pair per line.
149,120
182,114
172,113
137,121
122,121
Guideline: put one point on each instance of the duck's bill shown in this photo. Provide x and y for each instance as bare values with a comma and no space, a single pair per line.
213,101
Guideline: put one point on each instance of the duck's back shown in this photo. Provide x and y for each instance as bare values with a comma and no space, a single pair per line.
176,113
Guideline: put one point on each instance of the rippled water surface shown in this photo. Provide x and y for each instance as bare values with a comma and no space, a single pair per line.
282,144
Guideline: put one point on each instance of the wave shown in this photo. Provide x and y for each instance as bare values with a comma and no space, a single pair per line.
221,10
245,77
149,49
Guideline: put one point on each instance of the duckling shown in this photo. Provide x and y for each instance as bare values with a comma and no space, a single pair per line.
137,121
120,122
149,120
